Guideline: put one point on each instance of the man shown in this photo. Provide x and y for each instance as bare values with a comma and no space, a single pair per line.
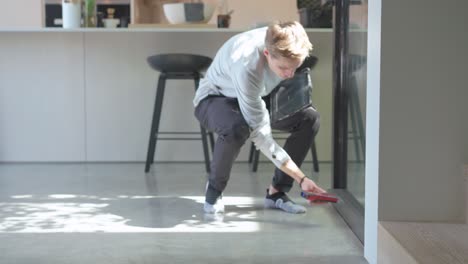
229,102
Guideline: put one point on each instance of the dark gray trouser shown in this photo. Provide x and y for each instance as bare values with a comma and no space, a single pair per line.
222,116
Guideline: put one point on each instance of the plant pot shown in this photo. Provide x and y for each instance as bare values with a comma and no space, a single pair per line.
71,14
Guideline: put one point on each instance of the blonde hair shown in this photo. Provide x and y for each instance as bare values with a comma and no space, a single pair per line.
288,40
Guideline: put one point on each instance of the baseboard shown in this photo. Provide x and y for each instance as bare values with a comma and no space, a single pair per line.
390,251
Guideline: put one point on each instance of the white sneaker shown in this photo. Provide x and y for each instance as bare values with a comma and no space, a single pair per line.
218,207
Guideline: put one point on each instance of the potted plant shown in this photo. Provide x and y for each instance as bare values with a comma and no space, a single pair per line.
89,13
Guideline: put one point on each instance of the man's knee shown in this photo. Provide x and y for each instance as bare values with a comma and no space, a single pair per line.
239,132
312,119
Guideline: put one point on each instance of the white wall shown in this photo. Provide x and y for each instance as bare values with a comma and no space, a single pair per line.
41,97
422,113
21,13
423,128
416,123
116,87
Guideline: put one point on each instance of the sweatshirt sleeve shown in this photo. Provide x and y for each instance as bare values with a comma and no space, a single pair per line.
248,89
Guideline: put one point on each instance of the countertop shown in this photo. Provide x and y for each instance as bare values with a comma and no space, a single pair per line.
149,29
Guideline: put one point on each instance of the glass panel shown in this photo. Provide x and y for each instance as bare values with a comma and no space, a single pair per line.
356,89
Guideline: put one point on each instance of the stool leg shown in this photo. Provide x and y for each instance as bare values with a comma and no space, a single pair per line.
203,133
354,132
155,122
205,149
357,109
251,152
313,151
255,159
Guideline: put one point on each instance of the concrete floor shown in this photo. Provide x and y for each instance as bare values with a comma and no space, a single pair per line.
115,213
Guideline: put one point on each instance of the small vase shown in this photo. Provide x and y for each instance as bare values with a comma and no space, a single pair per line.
71,14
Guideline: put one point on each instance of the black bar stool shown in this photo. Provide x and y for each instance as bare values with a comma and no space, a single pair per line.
176,66
254,154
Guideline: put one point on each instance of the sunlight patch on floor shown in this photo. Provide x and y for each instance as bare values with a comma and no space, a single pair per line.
40,215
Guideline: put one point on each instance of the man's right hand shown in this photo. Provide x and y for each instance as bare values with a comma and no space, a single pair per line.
309,185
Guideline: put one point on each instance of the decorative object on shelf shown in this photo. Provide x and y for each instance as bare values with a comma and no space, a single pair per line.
110,21
195,11
89,13
315,13
224,16
224,20
71,13
110,12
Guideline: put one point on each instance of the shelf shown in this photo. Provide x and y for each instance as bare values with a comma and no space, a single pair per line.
162,28
149,11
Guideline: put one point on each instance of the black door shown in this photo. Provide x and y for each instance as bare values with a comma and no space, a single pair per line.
349,110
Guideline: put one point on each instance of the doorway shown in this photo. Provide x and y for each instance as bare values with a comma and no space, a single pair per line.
349,110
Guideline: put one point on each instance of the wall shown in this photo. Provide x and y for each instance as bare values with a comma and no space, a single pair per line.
249,13
422,127
41,97
21,13
372,132
70,96
103,92
422,120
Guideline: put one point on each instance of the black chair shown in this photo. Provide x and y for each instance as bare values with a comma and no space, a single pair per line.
176,66
254,154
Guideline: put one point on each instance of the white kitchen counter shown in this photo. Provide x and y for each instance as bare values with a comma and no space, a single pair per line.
90,96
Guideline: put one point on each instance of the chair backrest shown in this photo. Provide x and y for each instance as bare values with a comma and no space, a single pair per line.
309,62
291,95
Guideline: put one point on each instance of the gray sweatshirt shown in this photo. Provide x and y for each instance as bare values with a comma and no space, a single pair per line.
240,70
